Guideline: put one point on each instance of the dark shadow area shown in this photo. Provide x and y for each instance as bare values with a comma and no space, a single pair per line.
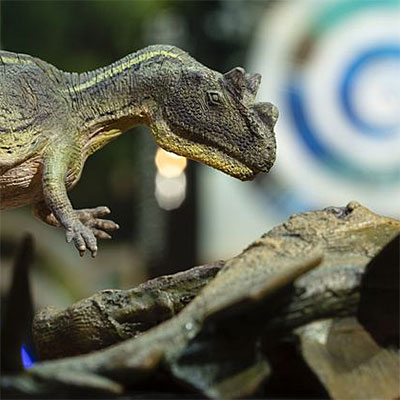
379,307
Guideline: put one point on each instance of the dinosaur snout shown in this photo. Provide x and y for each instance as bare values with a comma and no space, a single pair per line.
265,160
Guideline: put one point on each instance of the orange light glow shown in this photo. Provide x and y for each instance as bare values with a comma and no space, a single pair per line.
169,165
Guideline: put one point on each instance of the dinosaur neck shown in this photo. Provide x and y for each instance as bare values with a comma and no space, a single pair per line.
110,100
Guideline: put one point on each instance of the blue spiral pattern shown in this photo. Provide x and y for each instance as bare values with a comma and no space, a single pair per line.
374,55
333,161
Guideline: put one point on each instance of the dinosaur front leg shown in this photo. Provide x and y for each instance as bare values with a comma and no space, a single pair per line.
90,217
81,226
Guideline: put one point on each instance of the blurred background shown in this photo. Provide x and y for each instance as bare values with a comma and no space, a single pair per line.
332,67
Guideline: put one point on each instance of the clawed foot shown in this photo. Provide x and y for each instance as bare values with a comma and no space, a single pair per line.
87,227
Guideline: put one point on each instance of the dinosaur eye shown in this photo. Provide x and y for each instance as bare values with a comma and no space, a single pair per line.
214,97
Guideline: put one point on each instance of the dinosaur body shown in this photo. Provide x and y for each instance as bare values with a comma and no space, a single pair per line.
51,121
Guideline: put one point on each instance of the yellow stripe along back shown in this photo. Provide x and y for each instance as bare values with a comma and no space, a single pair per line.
16,60
114,70
119,68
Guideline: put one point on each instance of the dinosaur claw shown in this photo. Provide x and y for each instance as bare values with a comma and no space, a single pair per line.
93,251
69,236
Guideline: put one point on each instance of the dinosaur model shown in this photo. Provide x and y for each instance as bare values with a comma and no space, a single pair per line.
51,121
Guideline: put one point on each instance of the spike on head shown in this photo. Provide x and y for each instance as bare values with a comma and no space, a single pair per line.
236,78
252,84
268,113
244,84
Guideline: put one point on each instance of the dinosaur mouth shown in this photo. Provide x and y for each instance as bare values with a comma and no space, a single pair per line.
205,153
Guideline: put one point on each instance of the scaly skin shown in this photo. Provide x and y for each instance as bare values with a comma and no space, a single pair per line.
51,121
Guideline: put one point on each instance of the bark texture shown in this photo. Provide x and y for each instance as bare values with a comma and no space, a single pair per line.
288,312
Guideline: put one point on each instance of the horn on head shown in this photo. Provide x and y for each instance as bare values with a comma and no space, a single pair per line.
245,84
253,82
268,113
236,77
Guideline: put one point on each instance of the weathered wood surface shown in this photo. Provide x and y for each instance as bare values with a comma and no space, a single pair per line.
112,315
226,342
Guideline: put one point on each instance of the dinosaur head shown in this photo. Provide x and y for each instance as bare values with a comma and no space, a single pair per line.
212,118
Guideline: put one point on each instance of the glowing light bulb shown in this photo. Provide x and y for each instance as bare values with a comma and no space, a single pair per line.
170,180
168,164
